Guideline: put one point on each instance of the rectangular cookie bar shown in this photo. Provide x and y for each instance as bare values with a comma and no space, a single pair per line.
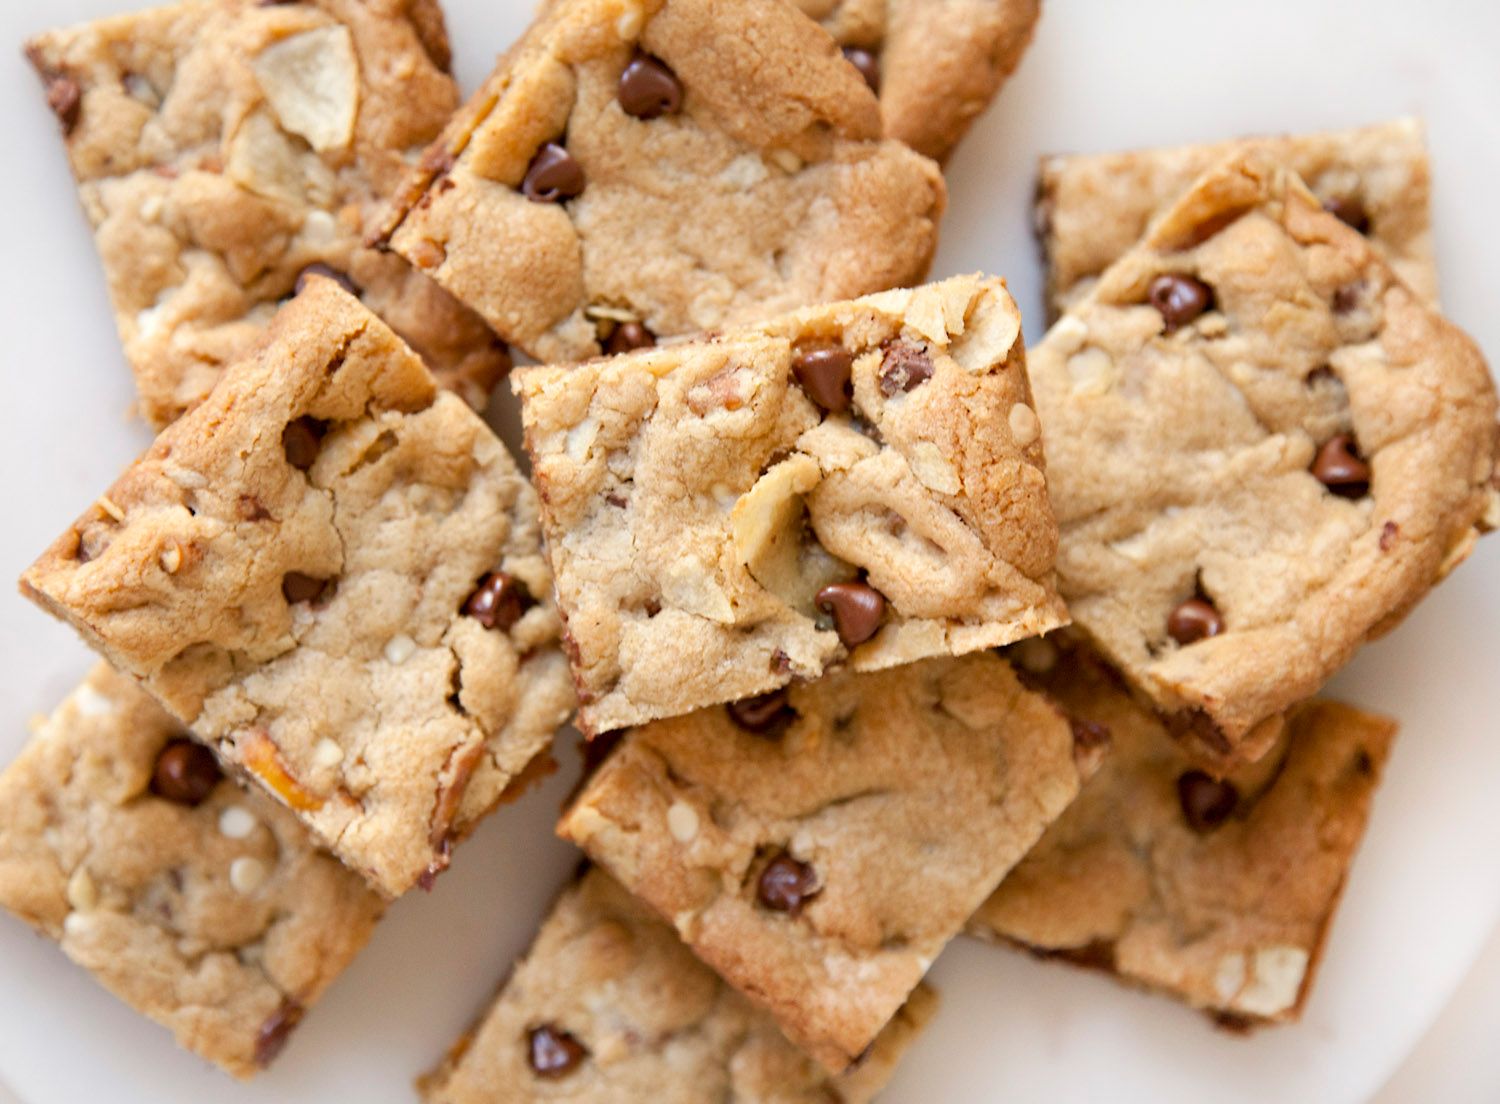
332,572
936,64
223,148
819,846
623,176
1263,449
856,482
202,906
1220,893
1091,208
610,1006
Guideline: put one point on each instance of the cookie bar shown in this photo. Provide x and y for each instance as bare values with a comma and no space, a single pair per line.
223,148
625,176
819,846
1091,208
936,64
861,481
1220,893
610,1006
332,572
202,906
1263,450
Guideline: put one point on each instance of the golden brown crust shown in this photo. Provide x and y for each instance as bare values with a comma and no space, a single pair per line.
654,1022
1231,919
211,920
696,500
769,189
1181,463
306,615
906,795
221,148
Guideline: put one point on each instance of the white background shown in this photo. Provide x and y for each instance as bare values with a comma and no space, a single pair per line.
1425,896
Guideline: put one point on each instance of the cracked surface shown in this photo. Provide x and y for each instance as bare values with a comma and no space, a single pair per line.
770,188
1091,208
1232,921
657,1024
941,61
1181,462
908,793
137,890
388,720
220,148
695,499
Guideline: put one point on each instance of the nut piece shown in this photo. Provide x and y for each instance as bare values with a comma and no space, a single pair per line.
311,81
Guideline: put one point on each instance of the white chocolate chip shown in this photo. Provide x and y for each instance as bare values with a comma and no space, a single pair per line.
1036,654
682,822
1276,981
237,822
1068,335
311,81
399,648
91,703
247,874
327,753
744,172
1024,425
1092,371
599,311
83,894
786,160
319,227
77,924
1229,978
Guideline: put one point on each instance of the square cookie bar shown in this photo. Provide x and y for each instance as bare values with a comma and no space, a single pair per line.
225,147
332,572
1220,893
818,847
857,482
936,64
1091,208
1263,449
640,169
610,1006
204,907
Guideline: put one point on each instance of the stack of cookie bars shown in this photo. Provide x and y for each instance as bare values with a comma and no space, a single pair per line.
799,550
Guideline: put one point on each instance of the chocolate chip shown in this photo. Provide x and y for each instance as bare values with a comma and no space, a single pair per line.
856,608
867,64
1206,802
1350,210
1194,620
301,440
628,337
553,1052
1339,468
552,176
1346,298
251,508
185,773
904,368
1179,298
1389,532
1089,735
824,370
65,98
786,885
649,89
765,714
277,1029
499,601
297,587
318,268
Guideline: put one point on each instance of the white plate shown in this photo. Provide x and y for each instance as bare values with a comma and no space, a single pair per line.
1102,74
